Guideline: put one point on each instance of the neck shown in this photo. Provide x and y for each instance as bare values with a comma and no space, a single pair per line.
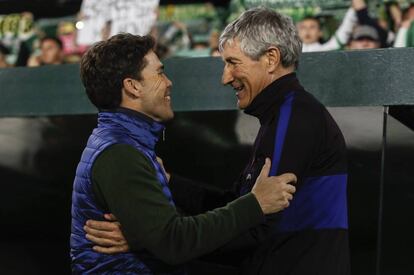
137,108
281,72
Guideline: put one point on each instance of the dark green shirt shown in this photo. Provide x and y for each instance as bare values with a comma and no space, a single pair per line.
125,184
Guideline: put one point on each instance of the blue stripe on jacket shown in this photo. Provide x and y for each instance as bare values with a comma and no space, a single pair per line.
282,126
320,202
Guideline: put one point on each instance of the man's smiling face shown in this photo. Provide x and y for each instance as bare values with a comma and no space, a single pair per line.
248,77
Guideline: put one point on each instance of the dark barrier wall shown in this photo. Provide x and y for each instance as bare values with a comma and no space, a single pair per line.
355,78
47,119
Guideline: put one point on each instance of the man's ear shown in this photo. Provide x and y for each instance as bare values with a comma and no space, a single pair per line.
132,87
273,59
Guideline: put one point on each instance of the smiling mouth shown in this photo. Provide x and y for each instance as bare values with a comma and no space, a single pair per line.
167,97
238,88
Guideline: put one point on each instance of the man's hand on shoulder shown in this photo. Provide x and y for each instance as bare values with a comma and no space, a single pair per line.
273,193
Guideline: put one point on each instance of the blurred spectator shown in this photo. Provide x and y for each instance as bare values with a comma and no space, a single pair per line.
361,8
17,34
405,35
3,52
309,30
176,37
66,32
51,53
391,18
364,37
98,19
191,31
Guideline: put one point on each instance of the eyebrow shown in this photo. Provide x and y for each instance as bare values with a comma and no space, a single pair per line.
232,59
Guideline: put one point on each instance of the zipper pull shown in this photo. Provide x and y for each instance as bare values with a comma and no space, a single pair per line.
163,135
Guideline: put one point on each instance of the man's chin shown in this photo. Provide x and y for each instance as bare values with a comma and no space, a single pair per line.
241,105
164,117
168,117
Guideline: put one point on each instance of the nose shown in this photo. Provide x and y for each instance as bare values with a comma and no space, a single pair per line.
227,76
169,83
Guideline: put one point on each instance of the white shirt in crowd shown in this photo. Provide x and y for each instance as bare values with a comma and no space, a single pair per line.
341,37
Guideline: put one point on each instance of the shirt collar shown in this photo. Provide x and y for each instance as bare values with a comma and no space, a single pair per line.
273,94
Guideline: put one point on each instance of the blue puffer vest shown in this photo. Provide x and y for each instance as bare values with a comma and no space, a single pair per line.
120,127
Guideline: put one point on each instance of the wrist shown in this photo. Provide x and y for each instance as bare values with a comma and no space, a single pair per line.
259,202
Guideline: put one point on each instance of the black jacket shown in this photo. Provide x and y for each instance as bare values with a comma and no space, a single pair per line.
300,136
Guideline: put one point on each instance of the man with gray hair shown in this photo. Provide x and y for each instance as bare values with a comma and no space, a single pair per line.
261,51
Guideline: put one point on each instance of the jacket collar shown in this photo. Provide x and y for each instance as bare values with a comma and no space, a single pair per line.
271,96
138,126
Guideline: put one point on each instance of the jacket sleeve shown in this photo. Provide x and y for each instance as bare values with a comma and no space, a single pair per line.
401,38
127,182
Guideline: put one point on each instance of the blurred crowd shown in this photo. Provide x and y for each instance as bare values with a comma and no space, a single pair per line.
194,30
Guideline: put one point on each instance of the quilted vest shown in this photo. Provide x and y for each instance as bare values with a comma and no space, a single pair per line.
119,127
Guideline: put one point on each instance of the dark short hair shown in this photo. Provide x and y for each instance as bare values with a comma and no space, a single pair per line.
54,39
107,63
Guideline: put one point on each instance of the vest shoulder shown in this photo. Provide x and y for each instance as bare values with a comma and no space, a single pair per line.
121,154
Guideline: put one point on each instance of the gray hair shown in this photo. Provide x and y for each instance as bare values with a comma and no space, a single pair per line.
258,29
